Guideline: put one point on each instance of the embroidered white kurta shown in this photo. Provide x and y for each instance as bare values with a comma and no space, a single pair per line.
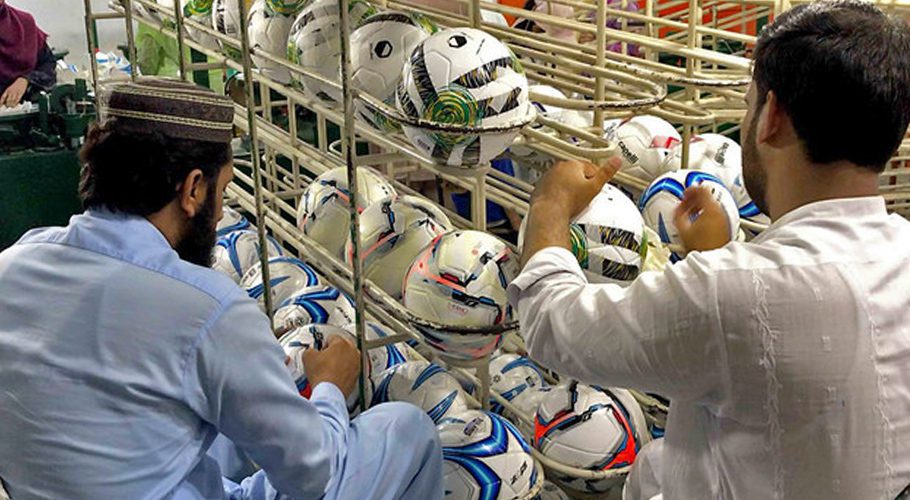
787,359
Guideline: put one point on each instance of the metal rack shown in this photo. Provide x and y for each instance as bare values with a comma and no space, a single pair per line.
704,92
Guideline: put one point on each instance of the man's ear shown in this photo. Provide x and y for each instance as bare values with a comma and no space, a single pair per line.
771,119
191,193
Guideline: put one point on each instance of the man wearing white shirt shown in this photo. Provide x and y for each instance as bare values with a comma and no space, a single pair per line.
787,358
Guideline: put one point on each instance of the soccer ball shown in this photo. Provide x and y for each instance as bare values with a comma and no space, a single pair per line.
269,32
287,8
323,212
231,221
424,384
320,304
659,202
465,77
722,156
645,145
287,275
485,458
460,279
589,428
236,252
297,341
570,117
380,48
314,43
607,238
199,11
226,20
514,377
387,356
393,232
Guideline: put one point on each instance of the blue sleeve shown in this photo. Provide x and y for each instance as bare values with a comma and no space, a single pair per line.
236,379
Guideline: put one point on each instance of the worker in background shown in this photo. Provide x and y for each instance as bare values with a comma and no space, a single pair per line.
122,355
785,358
26,62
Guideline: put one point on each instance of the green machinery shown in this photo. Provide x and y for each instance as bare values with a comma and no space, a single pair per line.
39,165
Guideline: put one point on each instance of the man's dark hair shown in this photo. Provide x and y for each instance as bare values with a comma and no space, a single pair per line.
841,71
138,173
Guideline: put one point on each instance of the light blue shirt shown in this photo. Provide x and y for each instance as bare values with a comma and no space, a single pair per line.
120,363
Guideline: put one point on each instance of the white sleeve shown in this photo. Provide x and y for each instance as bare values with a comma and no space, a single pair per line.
661,334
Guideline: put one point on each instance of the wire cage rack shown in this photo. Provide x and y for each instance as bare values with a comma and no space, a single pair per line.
686,61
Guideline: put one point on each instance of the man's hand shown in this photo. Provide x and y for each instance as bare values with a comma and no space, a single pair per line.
701,221
338,363
562,193
13,94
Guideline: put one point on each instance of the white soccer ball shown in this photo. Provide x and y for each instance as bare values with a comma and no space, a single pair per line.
298,340
515,378
485,458
645,145
320,304
607,238
237,252
231,220
379,49
322,213
287,275
724,156
199,11
226,20
460,279
314,43
269,33
387,356
423,384
392,233
589,428
462,76
659,202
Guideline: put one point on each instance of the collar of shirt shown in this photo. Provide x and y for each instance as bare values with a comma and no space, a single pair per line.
834,208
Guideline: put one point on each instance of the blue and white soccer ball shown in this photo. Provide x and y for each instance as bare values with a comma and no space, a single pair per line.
462,76
314,43
268,32
516,378
287,275
322,213
237,252
460,279
379,49
320,304
424,384
231,220
392,234
658,203
485,458
646,145
384,357
297,341
589,428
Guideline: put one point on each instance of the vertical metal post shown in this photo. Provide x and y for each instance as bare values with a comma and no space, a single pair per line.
474,14
483,374
178,20
601,58
91,40
130,39
348,149
479,200
691,64
254,159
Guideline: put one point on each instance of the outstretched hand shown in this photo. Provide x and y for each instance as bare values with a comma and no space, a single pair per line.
561,194
701,221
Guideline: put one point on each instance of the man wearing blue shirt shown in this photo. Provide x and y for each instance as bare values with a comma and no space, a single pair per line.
122,356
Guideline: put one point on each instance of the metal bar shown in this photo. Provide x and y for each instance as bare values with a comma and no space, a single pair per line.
181,60
91,40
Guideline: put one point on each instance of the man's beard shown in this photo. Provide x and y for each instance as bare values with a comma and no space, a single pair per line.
199,238
754,177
